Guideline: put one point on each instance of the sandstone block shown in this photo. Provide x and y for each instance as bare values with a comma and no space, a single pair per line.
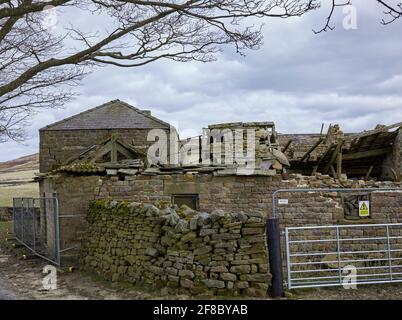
211,283
187,274
228,276
241,269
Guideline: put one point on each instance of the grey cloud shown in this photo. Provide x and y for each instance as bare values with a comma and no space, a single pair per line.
297,79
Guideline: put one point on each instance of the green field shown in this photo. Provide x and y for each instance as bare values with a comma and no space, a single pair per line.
17,184
17,176
7,193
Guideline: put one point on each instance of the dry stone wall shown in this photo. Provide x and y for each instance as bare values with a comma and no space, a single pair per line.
183,250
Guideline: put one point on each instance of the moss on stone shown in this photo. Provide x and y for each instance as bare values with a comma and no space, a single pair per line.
121,209
96,210
81,167
101,209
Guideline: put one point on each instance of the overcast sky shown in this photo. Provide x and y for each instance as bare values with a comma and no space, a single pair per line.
297,79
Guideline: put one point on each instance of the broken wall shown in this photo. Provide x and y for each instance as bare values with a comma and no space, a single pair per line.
301,143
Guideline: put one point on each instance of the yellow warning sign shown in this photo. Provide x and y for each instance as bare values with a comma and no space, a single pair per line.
364,208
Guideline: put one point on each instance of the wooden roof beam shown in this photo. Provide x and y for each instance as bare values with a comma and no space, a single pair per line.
310,150
334,155
366,154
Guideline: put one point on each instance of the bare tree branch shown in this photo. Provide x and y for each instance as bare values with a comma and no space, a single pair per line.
38,67
327,25
392,11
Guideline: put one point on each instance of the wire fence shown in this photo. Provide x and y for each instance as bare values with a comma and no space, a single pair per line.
36,226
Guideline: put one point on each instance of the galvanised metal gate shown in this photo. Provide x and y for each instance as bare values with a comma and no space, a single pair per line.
36,226
321,256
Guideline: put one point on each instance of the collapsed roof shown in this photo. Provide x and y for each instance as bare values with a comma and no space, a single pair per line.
369,154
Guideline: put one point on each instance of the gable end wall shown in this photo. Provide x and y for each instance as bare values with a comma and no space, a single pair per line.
56,147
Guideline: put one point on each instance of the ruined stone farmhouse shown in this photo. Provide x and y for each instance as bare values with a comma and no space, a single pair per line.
199,226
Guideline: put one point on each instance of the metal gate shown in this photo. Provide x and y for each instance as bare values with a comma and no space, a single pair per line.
323,256
36,226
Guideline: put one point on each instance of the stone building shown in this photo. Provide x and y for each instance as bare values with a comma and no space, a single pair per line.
99,157
101,154
65,140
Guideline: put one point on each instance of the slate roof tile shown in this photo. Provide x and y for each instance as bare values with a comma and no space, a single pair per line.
115,114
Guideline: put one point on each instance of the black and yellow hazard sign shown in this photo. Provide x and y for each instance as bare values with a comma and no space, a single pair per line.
364,208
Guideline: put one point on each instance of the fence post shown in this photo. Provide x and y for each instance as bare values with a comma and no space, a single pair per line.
34,224
22,220
275,256
389,253
14,217
56,227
